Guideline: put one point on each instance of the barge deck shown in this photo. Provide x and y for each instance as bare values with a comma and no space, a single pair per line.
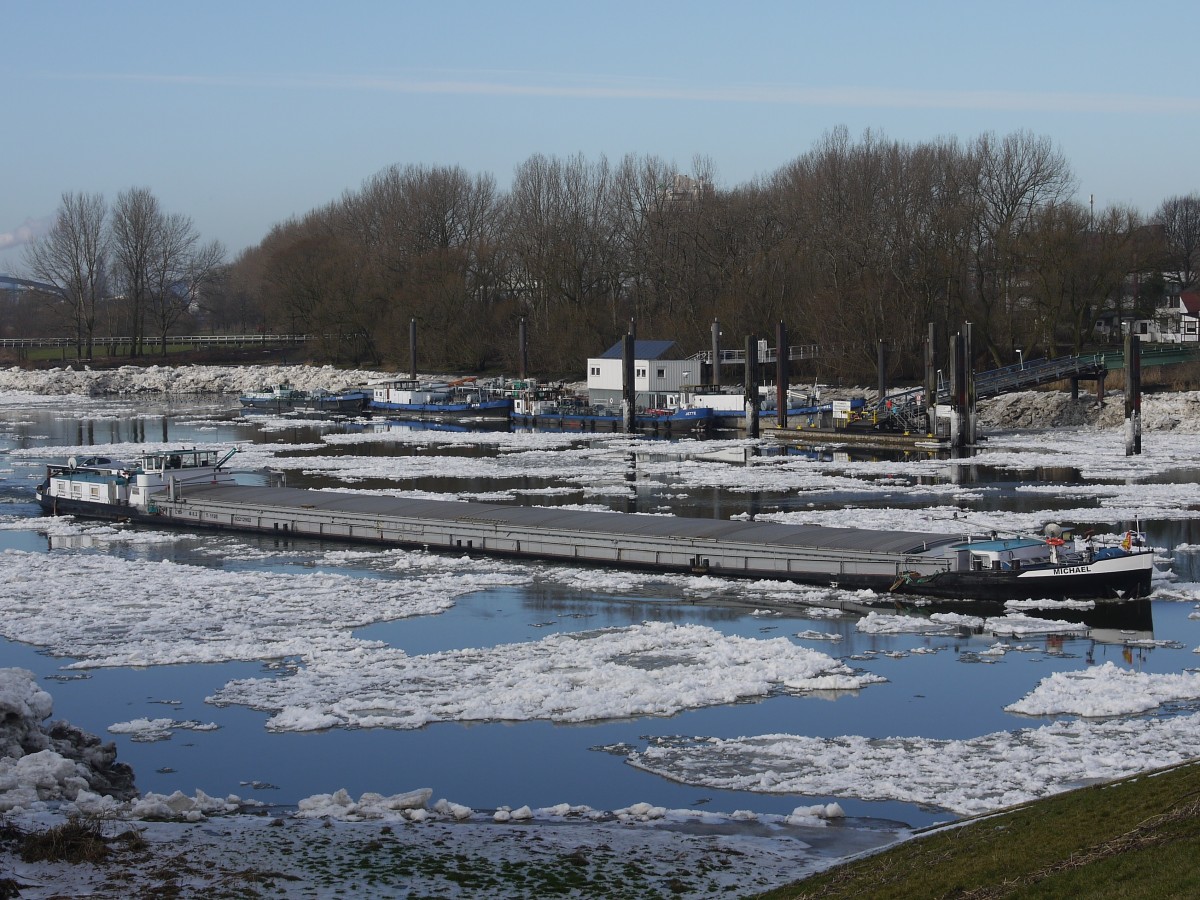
847,557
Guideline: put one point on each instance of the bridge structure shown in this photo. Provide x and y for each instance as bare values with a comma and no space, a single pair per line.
901,409
904,410
765,354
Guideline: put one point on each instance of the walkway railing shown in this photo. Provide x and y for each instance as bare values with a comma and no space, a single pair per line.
193,339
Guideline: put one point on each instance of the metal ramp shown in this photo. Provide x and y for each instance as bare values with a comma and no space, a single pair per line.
905,410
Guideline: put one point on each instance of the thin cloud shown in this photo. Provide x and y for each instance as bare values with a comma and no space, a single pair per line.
509,84
25,233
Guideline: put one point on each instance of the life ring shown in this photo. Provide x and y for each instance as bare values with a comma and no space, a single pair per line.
1055,542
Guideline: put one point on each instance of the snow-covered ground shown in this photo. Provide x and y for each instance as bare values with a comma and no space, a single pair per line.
1112,721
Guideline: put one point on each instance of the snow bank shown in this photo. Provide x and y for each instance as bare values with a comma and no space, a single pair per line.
178,379
43,763
1056,409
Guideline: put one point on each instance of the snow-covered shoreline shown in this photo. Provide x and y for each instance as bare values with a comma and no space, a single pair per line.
1021,409
178,380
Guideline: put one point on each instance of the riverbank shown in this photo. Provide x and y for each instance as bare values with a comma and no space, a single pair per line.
1137,837
1163,411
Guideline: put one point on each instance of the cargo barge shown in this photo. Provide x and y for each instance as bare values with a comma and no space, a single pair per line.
190,488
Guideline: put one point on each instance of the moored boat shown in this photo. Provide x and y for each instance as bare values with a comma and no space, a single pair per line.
191,488
106,488
436,401
552,406
283,398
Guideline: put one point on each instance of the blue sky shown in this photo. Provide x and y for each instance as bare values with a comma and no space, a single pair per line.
241,114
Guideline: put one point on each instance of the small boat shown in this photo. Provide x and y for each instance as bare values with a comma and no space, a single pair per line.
283,398
347,401
102,487
551,406
410,398
729,407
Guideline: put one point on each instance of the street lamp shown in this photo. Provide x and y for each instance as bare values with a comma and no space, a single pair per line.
1020,359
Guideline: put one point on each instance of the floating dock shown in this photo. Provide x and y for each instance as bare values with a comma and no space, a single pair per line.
838,557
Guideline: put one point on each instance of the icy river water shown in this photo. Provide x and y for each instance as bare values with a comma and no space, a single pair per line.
185,648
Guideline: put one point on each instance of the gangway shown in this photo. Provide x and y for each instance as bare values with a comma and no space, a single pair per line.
906,410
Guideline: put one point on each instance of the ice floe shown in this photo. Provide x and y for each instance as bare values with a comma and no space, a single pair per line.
964,776
1106,690
652,669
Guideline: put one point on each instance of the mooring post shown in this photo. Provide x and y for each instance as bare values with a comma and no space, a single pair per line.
881,373
969,385
781,375
931,385
412,345
1133,395
523,350
628,394
958,393
715,375
752,399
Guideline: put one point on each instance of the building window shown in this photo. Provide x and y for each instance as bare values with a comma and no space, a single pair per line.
641,373
662,373
595,370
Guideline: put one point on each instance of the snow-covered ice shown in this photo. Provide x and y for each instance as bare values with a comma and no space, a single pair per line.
654,669
133,609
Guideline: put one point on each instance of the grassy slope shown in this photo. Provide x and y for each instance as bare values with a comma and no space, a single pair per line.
1134,838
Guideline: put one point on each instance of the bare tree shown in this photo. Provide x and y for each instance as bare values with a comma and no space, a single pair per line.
72,257
181,270
136,229
564,241
1019,176
159,265
1180,221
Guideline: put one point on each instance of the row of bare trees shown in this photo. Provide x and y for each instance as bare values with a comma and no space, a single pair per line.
852,243
145,268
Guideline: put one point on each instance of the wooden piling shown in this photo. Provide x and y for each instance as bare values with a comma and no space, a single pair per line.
781,375
751,381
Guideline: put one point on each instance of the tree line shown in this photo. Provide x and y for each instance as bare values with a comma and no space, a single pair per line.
852,243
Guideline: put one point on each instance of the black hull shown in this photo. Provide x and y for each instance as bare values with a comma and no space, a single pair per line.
333,407
64,506
1002,587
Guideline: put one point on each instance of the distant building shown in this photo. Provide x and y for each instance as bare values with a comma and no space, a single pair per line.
684,188
658,375
1178,322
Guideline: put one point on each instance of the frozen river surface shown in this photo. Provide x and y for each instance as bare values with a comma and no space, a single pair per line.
284,671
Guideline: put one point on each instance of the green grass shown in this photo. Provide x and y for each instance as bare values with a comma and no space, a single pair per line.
1135,838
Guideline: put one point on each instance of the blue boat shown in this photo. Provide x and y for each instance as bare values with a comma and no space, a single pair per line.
283,398
540,406
409,398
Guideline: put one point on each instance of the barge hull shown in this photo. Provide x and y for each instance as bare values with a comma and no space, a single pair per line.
883,561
